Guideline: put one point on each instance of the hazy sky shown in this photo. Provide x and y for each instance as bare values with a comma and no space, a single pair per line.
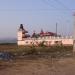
36,15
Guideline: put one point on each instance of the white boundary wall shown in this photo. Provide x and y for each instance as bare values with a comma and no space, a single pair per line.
47,40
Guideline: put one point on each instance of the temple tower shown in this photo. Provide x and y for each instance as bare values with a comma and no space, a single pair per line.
21,35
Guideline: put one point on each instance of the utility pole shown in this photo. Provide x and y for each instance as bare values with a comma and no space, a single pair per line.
74,34
56,29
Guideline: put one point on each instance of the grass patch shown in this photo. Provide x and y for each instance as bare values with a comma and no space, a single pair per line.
53,51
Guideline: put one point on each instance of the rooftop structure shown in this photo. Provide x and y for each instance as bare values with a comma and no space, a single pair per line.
48,38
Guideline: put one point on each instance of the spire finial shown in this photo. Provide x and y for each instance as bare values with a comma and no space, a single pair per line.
21,26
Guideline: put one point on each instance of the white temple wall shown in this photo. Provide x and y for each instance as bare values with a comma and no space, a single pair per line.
19,35
47,41
21,42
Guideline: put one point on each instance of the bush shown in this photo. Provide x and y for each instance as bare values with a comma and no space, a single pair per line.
42,44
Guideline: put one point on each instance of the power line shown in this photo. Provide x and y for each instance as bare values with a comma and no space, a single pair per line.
47,3
59,2
34,10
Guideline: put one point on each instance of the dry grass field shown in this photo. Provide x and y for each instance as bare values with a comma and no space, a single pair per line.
40,66
7,46
56,61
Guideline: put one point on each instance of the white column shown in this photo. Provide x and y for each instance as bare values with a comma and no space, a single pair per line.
19,35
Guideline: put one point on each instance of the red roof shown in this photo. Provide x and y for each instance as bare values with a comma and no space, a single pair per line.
47,34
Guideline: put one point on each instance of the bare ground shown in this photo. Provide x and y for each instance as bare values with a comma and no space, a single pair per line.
41,66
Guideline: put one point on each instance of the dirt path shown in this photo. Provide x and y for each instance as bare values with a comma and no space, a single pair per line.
39,67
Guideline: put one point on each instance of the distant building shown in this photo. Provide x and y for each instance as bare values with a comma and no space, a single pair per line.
48,38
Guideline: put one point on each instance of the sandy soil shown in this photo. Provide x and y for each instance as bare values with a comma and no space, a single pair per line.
41,66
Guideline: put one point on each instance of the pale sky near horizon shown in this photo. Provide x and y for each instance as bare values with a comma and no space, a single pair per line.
36,15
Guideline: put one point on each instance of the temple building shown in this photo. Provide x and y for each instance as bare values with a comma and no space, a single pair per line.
47,38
